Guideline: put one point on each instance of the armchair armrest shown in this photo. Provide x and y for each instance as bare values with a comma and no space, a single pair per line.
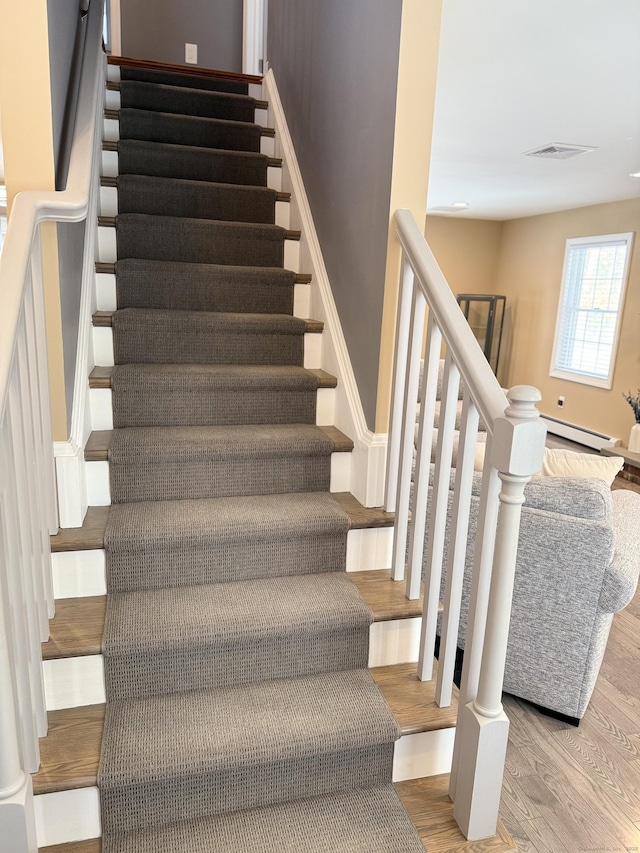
621,579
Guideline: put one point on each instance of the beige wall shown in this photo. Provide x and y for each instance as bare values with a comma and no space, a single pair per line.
417,72
530,271
467,251
523,259
27,136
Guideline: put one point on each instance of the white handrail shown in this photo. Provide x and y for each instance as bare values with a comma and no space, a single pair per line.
422,497
28,506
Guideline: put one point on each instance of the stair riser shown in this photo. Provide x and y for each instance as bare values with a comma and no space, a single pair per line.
111,133
104,357
99,492
107,300
77,681
100,402
77,574
109,206
113,75
74,815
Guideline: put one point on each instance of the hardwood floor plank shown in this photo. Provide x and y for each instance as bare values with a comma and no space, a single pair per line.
70,753
412,701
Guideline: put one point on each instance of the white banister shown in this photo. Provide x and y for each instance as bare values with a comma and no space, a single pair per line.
28,503
513,452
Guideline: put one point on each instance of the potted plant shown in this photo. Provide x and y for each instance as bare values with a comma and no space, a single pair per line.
634,438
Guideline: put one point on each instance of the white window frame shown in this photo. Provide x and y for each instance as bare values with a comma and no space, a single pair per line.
583,377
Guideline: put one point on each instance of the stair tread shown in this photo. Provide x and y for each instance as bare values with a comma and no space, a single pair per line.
90,536
427,803
100,377
78,731
77,628
104,319
99,442
114,86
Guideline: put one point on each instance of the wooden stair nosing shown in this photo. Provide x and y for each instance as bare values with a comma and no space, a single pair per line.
76,629
70,753
100,377
110,222
103,268
90,537
104,320
97,446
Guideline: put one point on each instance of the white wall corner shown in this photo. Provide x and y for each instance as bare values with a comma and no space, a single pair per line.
70,482
369,455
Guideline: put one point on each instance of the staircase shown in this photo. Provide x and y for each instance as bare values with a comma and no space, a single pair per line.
238,711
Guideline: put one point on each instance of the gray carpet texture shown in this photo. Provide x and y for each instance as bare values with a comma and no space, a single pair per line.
211,394
178,463
203,287
204,337
138,95
240,715
175,238
153,126
215,635
163,160
196,199
361,820
156,544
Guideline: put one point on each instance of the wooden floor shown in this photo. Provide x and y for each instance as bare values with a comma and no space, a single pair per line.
575,790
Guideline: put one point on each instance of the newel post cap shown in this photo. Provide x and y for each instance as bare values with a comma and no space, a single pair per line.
519,436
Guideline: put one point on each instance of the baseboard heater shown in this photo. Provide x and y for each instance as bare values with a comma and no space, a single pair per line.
581,435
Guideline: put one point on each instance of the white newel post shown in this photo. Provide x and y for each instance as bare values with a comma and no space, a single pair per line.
483,727
17,821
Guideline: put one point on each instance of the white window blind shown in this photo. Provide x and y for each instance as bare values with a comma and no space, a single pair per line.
593,284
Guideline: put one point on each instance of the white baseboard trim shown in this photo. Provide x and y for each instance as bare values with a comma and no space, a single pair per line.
368,458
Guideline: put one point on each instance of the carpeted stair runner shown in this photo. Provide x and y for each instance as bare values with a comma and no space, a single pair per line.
240,714
153,126
197,199
212,394
203,287
163,160
155,544
203,337
176,238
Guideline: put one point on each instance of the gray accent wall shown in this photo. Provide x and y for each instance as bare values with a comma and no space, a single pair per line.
159,29
62,19
336,67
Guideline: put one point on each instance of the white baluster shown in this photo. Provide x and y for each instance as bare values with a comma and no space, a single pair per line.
401,527
403,323
438,516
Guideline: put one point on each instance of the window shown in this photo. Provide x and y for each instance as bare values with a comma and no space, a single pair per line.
593,283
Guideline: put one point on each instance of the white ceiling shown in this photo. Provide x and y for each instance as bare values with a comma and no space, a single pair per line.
515,75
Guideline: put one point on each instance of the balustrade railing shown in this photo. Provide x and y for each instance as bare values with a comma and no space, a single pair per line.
28,505
435,502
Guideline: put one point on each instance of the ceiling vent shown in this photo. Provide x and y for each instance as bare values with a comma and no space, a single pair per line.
559,151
